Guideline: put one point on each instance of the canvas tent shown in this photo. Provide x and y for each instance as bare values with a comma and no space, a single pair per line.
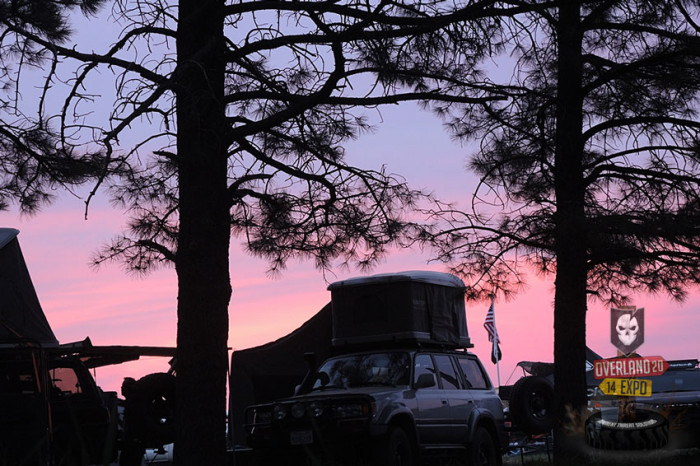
271,371
21,316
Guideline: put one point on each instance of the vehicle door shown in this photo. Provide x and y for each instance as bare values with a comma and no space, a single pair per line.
459,398
478,386
80,417
23,408
432,412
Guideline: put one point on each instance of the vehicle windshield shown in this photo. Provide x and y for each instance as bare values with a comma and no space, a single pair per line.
390,369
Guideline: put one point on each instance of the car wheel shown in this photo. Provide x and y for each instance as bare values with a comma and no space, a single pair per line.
149,409
531,405
483,450
395,449
648,431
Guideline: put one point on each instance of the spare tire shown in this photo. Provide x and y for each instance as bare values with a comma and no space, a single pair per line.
149,410
648,431
532,405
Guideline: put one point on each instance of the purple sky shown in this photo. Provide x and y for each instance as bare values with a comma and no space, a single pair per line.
113,308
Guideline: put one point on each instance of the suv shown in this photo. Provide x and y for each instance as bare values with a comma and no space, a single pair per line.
387,406
53,410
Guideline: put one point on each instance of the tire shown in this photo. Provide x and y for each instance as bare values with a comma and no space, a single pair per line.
648,432
395,449
532,405
149,410
483,450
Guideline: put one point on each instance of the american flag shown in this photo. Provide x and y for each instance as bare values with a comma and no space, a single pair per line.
490,326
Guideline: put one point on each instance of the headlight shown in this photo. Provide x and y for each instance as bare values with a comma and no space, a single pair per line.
298,410
262,415
316,408
349,410
279,412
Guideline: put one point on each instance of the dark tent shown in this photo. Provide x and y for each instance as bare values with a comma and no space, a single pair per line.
21,316
272,371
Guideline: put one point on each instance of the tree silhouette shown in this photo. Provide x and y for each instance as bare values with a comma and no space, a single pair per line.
33,162
589,172
229,118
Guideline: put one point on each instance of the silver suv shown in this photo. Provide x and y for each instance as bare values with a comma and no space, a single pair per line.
383,407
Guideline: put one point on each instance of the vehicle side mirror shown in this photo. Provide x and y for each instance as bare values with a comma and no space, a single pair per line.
323,378
425,381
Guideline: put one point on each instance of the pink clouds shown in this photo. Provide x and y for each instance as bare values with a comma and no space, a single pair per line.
113,308
671,328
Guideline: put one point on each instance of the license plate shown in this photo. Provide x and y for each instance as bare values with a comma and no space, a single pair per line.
301,437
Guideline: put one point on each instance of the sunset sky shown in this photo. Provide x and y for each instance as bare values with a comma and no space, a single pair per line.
112,307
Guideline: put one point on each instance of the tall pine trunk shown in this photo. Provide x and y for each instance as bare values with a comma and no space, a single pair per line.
204,288
571,274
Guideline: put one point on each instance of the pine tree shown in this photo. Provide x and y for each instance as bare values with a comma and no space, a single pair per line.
589,172
246,107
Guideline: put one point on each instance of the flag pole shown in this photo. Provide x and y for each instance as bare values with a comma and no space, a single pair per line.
490,326
496,343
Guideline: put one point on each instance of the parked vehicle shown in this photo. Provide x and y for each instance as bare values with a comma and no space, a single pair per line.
148,422
399,386
52,411
385,406
670,415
